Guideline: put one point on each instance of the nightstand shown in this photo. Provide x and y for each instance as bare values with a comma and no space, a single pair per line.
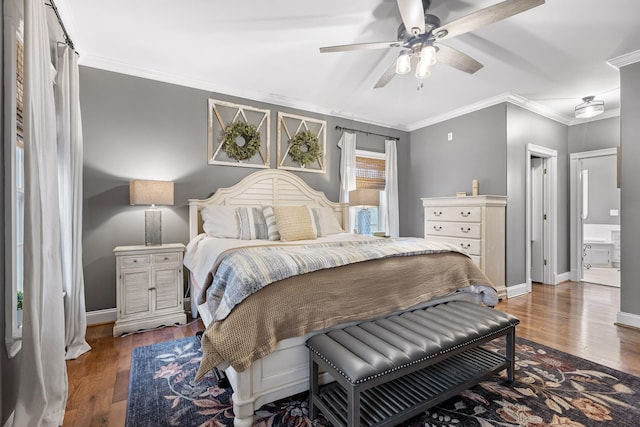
149,287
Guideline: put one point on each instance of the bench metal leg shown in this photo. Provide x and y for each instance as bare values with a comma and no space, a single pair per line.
511,354
314,387
353,406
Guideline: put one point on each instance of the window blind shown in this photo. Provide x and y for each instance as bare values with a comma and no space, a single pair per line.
370,173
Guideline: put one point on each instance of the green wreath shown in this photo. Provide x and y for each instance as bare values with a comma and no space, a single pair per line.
304,147
246,131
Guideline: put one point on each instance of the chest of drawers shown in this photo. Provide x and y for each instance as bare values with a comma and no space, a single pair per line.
475,224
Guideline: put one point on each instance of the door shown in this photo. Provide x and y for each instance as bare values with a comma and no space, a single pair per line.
537,219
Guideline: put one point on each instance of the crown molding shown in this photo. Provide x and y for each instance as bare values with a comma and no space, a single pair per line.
626,59
106,64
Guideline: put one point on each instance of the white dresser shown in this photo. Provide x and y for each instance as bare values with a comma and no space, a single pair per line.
477,225
149,287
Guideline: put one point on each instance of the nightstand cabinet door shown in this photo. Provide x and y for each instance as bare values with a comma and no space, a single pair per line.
149,287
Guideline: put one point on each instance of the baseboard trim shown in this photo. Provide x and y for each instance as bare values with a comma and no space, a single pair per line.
516,290
101,316
628,319
561,278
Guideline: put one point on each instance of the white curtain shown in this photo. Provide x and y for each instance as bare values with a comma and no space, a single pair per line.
70,190
42,387
347,144
389,210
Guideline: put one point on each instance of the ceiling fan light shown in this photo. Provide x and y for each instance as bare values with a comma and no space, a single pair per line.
423,70
403,64
589,108
428,55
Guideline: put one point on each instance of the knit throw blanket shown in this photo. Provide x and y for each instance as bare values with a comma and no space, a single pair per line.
245,271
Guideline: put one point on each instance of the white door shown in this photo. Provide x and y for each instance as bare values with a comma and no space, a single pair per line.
537,219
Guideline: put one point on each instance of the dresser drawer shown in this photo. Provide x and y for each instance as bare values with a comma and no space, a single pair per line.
469,230
471,246
130,261
168,258
454,213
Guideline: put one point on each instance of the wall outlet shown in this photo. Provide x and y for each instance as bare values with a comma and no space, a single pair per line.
450,136
613,212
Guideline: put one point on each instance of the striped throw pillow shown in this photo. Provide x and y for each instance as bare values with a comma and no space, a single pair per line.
270,220
252,223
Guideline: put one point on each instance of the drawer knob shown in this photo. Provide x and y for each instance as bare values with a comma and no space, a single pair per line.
437,227
465,214
436,213
465,230
135,260
166,258
465,246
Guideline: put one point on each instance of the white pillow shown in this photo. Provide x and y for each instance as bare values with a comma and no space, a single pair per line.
326,221
220,221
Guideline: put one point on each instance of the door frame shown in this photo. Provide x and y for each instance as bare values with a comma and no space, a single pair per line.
575,195
550,203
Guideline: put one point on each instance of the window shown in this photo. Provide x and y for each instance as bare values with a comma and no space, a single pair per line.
14,237
370,174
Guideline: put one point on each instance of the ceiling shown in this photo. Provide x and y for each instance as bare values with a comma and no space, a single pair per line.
544,59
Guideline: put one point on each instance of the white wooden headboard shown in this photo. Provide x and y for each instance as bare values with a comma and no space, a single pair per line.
269,187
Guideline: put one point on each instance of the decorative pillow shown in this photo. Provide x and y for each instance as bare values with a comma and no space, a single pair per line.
252,223
294,223
270,220
325,221
220,221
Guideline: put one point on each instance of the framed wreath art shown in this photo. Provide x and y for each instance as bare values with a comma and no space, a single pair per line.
301,143
238,135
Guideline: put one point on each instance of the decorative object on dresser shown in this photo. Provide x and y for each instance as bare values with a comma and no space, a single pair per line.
474,223
149,287
365,198
238,135
301,143
145,192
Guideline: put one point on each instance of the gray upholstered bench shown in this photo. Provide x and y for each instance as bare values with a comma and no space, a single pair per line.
391,369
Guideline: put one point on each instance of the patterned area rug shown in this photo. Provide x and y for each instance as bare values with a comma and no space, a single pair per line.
552,388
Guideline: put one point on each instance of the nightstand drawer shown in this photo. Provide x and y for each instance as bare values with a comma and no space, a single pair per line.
454,229
135,261
169,258
454,213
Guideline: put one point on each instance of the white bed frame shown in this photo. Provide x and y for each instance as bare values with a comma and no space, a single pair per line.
284,372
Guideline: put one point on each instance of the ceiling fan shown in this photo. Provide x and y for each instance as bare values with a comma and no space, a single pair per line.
420,36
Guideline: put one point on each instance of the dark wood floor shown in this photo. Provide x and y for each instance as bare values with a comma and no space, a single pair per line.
577,318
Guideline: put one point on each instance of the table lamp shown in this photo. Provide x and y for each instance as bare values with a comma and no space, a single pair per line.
145,192
365,198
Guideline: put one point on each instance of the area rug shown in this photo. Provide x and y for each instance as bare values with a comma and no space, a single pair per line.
552,388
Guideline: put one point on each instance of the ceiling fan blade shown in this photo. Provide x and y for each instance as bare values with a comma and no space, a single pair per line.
412,13
456,59
387,76
359,46
485,16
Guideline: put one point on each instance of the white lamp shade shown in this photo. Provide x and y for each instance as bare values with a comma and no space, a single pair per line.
364,197
145,192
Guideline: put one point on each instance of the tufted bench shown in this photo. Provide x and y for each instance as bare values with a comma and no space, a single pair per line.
391,369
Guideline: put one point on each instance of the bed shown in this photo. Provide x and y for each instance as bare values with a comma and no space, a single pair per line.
276,364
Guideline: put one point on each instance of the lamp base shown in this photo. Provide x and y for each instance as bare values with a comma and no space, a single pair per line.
364,222
152,227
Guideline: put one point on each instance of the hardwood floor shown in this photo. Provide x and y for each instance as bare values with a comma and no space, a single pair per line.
577,318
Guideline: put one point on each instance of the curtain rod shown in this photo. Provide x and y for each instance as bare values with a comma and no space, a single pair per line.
368,133
67,39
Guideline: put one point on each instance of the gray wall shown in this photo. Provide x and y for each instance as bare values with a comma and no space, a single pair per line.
594,135
442,168
630,196
603,193
137,128
525,127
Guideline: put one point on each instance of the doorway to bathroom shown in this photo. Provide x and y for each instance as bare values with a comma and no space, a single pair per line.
595,217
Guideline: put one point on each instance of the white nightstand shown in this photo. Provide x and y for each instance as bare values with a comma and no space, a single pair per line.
149,287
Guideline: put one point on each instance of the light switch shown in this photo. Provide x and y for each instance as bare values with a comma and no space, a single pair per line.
450,136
